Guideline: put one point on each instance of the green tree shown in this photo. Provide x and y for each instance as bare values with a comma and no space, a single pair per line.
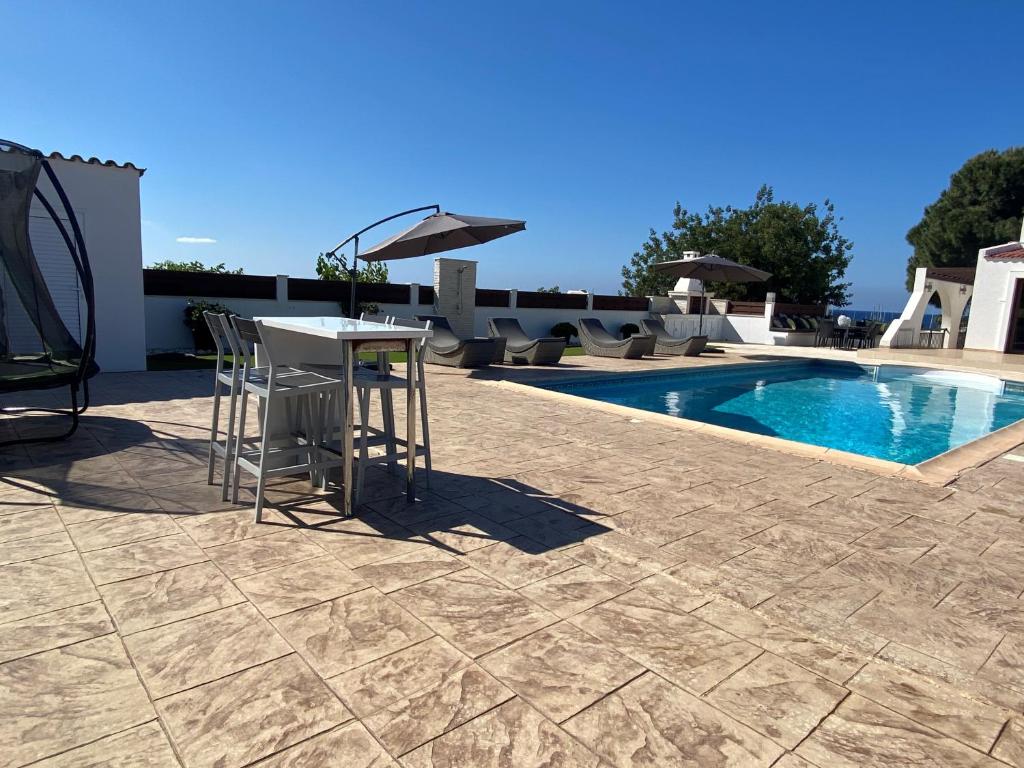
800,245
336,268
981,207
552,289
194,266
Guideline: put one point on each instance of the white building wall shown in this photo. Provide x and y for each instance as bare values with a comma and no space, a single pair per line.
994,284
106,203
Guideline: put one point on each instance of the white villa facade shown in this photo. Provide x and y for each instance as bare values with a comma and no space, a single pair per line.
982,307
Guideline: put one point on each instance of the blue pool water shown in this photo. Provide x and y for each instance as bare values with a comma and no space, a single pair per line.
896,413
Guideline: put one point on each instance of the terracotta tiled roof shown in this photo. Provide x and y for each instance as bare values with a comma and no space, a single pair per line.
95,161
1012,255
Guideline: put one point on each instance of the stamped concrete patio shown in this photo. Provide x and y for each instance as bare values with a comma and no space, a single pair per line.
577,588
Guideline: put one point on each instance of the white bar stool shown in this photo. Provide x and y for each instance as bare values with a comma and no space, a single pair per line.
314,397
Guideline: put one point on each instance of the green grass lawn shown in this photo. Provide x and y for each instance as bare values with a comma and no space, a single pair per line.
177,361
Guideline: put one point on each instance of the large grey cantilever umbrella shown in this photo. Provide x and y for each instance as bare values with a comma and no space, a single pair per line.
436,233
713,268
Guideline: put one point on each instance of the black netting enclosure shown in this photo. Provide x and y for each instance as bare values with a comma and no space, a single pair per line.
42,345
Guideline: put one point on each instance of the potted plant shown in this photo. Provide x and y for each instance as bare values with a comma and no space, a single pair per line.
202,341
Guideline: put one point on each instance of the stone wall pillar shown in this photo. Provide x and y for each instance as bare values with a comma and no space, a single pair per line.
455,293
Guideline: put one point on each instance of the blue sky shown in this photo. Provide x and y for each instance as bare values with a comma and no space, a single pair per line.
278,129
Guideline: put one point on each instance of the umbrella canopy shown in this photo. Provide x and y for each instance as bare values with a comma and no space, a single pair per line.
441,232
714,269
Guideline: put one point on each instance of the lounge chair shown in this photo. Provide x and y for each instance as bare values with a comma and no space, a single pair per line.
520,348
667,344
597,341
445,348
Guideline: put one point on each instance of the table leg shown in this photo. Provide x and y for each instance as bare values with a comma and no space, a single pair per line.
410,420
347,438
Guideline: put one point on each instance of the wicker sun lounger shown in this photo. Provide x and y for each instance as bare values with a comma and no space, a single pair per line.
520,348
597,341
667,344
445,348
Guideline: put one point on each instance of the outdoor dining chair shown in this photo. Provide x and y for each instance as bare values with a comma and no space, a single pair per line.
308,399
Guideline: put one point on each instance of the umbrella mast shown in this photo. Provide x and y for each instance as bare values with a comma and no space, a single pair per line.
353,272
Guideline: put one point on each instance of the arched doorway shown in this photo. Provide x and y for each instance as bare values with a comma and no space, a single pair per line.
931,333
965,318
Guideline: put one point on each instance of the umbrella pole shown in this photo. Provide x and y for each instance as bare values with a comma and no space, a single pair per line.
700,322
353,275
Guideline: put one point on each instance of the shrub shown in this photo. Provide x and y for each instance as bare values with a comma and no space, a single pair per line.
564,330
201,338
628,329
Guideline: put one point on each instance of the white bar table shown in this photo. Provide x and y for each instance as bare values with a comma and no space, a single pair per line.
333,340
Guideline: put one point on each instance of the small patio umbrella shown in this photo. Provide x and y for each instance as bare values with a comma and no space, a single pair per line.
436,233
713,268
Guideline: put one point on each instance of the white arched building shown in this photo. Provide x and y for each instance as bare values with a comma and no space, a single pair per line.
994,289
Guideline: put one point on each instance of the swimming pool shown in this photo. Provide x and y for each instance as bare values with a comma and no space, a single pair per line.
897,413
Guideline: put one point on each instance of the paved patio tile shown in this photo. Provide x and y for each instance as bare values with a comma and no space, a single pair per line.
142,558
209,530
366,539
142,746
573,591
895,543
686,650
473,612
781,700
511,735
860,733
55,629
123,529
299,585
412,568
168,596
831,592
708,548
1010,747
833,662
676,593
23,550
995,609
717,583
518,562
194,651
1006,664
959,641
68,697
350,631
650,722
251,714
457,698
915,581
43,585
24,525
821,625
248,556
384,681
109,504
930,703
560,670
350,746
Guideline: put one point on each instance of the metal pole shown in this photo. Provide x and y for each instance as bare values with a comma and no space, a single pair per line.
700,322
353,274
